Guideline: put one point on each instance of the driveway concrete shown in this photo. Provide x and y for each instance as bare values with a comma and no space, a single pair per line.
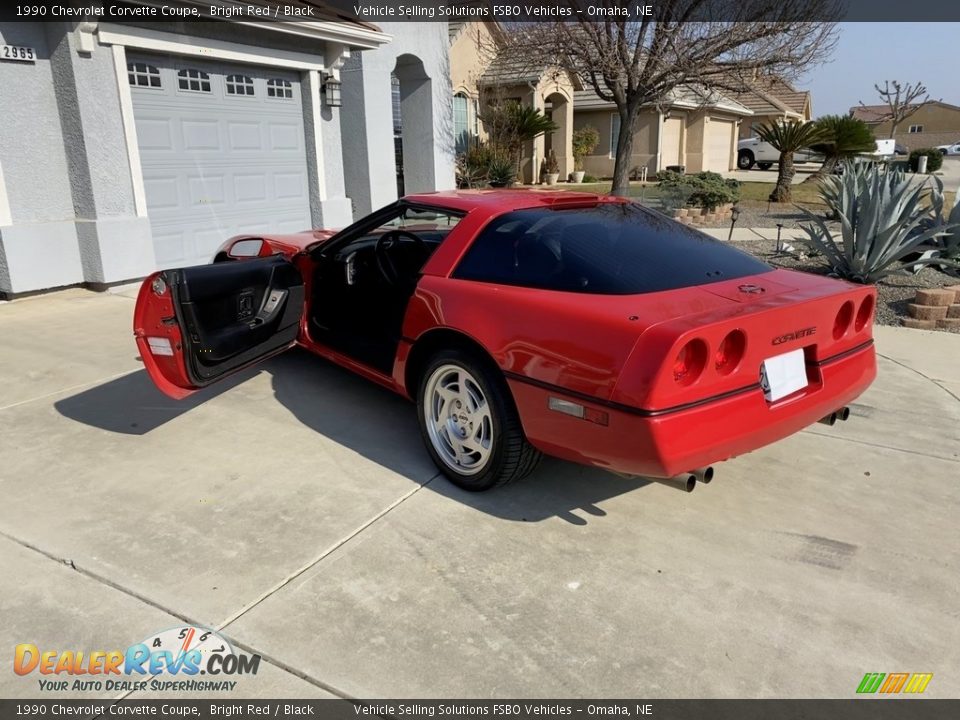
295,509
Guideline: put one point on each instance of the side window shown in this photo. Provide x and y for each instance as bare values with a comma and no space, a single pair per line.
143,75
429,224
239,85
279,88
193,80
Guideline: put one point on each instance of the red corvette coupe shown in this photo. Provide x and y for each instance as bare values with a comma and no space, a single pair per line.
528,322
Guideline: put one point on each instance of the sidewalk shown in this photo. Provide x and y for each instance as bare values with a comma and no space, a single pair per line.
741,234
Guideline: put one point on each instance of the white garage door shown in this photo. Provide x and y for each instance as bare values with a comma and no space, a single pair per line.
670,147
222,152
719,145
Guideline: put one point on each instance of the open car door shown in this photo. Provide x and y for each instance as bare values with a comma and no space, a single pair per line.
199,324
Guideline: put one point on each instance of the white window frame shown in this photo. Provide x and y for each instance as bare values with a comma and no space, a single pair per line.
239,80
278,87
614,134
149,72
915,129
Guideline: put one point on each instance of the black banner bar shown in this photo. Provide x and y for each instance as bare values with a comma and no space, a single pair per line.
503,11
853,709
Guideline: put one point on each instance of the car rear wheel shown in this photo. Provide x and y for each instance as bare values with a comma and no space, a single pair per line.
470,425
745,160
764,166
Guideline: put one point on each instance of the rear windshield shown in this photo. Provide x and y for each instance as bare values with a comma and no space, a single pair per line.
609,249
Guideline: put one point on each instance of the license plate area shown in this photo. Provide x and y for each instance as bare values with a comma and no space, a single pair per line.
783,375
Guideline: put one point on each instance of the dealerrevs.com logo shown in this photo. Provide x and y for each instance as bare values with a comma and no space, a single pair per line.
185,658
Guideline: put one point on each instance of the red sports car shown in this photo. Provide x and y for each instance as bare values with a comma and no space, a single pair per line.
526,322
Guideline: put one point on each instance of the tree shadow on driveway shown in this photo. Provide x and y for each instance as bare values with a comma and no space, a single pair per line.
368,419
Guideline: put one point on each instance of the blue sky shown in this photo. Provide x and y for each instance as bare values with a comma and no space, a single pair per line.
869,53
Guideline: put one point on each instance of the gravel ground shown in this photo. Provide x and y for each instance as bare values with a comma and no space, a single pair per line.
894,292
759,215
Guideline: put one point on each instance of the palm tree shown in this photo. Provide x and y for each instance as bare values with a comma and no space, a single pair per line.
846,137
511,125
788,137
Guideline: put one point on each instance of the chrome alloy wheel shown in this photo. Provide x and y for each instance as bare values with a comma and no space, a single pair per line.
458,419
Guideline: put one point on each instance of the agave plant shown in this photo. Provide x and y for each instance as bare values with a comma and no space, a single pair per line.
884,217
946,247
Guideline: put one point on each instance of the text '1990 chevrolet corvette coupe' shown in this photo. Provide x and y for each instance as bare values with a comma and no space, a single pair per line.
528,322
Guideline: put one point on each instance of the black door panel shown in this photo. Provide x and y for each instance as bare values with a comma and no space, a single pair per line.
233,314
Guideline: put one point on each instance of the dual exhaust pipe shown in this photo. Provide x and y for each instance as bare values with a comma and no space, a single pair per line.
842,415
687,481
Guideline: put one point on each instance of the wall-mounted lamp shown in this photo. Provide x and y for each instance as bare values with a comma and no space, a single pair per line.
331,91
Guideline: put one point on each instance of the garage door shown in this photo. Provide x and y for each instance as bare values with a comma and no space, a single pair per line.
670,147
719,145
222,152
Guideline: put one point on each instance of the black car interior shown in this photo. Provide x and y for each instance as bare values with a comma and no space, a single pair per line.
364,280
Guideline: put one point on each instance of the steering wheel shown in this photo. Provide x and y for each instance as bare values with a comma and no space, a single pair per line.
381,251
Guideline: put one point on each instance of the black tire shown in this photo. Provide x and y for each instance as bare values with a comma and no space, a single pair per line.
511,457
764,166
744,159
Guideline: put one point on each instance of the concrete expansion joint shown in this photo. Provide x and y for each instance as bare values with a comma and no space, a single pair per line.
276,662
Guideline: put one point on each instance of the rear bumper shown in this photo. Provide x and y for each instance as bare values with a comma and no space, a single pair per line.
675,441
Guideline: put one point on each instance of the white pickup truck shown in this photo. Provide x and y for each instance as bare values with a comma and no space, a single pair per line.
754,151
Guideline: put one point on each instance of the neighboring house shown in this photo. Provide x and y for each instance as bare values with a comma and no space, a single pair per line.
472,48
128,148
691,129
937,123
480,74
772,99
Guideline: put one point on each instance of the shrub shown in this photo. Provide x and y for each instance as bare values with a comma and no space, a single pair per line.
590,179
703,190
934,159
884,217
473,165
585,141
501,172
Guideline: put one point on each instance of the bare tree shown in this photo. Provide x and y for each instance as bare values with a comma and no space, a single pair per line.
698,46
901,101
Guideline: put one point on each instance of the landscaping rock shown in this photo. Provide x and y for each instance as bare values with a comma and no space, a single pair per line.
920,324
953,311
949,323
941,296
927,312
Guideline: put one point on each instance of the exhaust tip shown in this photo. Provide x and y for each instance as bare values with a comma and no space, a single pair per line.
828,419
685,482
843,414
704,474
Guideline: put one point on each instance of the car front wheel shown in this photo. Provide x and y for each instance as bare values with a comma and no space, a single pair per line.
470,425
745,160
764,166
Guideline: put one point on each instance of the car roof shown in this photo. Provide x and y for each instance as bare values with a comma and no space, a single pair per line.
502,200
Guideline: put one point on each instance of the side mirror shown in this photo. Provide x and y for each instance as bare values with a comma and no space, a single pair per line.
246,248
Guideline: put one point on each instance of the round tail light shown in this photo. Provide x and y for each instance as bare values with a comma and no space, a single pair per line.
844,318
730,352
690,362
864,314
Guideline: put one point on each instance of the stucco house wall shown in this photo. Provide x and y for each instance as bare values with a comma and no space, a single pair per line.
600,163
418,56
